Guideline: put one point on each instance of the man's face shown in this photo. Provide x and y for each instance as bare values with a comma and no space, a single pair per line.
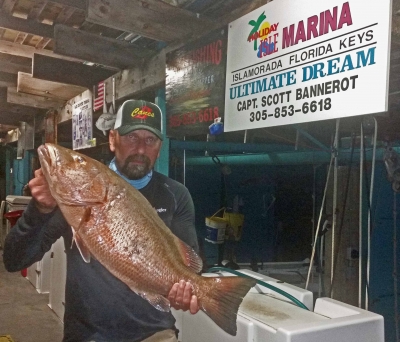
135,152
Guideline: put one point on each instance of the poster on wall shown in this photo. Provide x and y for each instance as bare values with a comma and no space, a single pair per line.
82,128
195,85
301,61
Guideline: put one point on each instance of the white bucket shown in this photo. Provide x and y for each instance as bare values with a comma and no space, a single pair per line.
216,227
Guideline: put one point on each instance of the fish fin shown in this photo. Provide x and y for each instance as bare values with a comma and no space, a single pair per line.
222,300
159,302
104,132
189,256
85,253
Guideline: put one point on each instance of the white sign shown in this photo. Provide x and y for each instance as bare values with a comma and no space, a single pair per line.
82,128
294,61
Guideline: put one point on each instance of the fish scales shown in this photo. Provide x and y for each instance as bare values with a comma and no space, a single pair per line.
131,244
128,246
115,223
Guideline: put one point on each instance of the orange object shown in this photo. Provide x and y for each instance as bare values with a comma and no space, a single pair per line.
13,216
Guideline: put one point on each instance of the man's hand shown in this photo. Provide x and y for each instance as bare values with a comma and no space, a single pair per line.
181,297
40,191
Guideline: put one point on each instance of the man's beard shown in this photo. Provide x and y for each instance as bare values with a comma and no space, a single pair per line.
134,171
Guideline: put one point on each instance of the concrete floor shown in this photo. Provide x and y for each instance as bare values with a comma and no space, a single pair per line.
24,313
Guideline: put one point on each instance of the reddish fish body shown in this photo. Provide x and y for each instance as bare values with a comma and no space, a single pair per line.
116,224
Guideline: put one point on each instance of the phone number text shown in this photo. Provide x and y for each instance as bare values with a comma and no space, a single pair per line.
281,112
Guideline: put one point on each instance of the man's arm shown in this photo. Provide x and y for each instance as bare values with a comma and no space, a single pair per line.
31,237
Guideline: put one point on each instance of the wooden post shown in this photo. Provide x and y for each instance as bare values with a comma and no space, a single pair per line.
50,129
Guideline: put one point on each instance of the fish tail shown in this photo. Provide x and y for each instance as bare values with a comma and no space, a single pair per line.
222,299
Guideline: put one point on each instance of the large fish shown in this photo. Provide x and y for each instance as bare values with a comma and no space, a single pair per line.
115,223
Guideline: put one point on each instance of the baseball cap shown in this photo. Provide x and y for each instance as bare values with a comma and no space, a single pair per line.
139,114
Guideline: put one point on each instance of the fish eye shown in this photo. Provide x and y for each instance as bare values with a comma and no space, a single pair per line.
80,159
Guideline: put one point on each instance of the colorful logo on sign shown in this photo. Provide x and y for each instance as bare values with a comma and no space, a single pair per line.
142,113
263,37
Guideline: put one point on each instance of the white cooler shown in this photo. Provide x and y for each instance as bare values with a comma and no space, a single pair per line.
265,316
39,274
58,278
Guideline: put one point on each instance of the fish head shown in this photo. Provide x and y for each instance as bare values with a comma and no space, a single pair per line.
105,122
100,123
74,179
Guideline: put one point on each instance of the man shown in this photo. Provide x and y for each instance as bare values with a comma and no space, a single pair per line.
98,306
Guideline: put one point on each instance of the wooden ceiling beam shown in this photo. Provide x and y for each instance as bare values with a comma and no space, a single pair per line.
3,95
58,70
14,108
55,90
94,48
26,25
79,4
8,5
138,80
12,63
64,15
37,9
28,51
43,42
13,68
153,19
30,100
7,84
9,79
216,24
15,59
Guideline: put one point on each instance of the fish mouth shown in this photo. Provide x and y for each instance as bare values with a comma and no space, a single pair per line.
47,155
44,153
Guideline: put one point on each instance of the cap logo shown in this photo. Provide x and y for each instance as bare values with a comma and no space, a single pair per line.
142,113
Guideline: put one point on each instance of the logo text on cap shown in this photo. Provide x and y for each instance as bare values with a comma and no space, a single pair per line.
142,113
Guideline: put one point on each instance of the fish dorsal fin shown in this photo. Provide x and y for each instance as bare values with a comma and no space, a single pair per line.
85,253
189,256
159,302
